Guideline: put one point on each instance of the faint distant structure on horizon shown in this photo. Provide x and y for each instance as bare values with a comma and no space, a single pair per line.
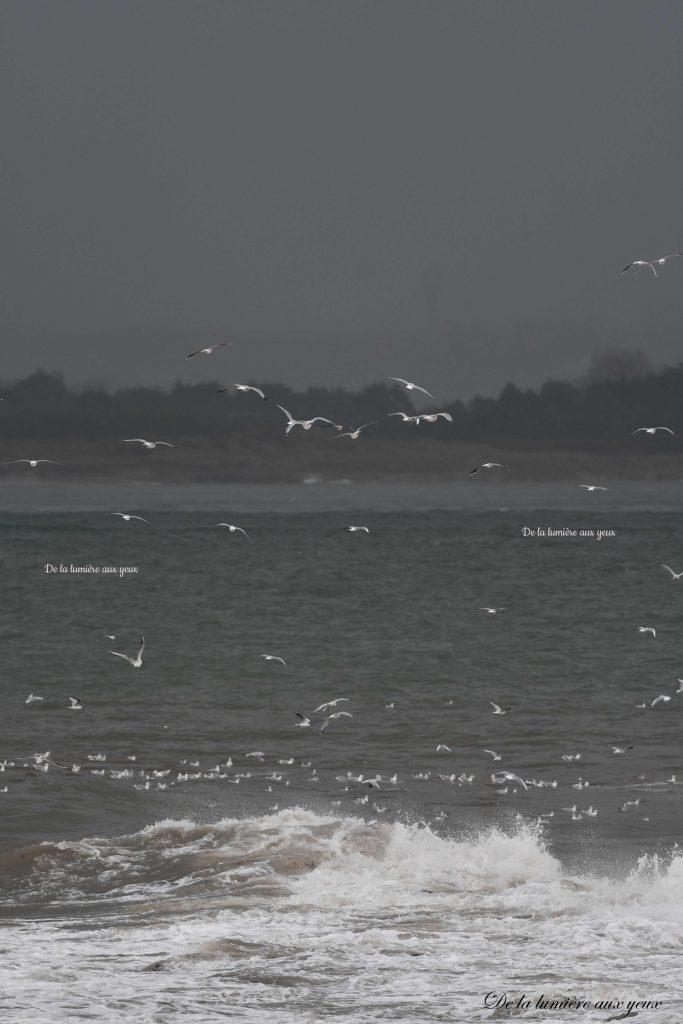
616,364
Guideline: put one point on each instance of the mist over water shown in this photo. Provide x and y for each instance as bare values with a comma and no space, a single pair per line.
198,881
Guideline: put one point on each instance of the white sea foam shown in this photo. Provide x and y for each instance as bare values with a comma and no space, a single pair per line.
297,916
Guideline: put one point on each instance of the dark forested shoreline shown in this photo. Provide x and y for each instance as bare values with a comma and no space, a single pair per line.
243,435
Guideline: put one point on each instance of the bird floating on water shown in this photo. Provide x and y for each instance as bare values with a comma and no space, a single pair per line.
33,462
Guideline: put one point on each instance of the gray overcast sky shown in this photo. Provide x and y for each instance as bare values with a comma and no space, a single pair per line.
442,189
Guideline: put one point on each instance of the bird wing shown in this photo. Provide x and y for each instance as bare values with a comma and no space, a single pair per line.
196,353
140,439
142,647
299,715
399,380
166,444
669,568
287,414
496,707
119,655
423,390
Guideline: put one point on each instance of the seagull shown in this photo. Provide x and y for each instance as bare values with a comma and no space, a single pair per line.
619,750
75,704
639,264
127,518
306,424
243,387
571,757
653,430
235,529
355,529
658,700
443,749
355,434
674,575
330,704
405,417
208,350
485,465
432,417
31,698
337,714
148,444
274,657
33,462
507,775
647,629
492,611
409,386
494,755
498,710
679,690
303,723
137,661
593,487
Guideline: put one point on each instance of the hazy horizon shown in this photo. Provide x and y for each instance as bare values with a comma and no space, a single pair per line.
441,191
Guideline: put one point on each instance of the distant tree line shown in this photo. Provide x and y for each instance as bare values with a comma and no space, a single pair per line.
599,412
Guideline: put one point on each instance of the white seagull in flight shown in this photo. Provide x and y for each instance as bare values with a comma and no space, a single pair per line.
33,462
337,714
355,434
235,529
674,575
652,430
147,444
405,417
593,487
639,264
75,704
355,529
31,697
304,722
494,755
409,386
243,387
485,465
136,662
432,417
208,350
647,629
127,518
306,424
330,704
498,710
274,657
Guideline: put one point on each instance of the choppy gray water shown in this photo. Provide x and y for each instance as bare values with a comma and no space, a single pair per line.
196,881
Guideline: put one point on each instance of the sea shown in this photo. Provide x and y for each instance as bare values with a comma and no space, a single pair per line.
487,828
